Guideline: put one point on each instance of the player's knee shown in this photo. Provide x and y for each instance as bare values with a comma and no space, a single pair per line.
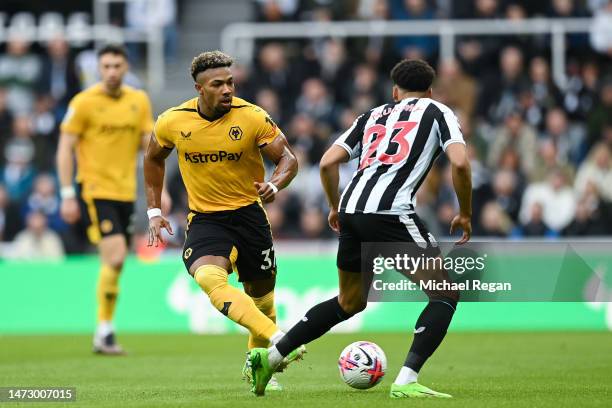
352,304
210,277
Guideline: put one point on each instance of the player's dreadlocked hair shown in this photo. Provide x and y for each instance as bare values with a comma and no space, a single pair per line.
413,75
208,60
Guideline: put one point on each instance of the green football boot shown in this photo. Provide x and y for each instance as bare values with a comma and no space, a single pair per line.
261,372
415,390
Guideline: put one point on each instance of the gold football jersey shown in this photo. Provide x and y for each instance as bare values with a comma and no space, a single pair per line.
109,131
220,159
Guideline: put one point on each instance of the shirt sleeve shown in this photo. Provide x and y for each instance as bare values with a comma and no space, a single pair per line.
351,139
267,130
75,119
162,135
450,130
147,115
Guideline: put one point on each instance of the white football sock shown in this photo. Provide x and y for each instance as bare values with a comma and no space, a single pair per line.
406,376
104,328
274,356
276,337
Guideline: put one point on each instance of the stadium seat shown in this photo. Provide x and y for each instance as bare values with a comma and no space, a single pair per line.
50,25
78,28
23,26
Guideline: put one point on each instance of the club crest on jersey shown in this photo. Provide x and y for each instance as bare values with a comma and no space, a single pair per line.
235,133
186,135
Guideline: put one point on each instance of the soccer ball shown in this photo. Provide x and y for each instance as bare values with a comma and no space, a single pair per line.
362,364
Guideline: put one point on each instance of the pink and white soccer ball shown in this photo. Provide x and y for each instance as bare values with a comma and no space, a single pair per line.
362,364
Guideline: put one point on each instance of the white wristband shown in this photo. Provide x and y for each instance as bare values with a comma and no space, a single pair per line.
154,212
67,192
273,187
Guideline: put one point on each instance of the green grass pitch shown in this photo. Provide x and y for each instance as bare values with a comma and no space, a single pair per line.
511,369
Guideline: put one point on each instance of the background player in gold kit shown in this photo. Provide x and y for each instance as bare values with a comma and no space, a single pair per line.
106,124
219,139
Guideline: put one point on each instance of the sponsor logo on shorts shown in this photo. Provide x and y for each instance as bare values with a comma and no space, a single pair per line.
217,157
188,253
106,226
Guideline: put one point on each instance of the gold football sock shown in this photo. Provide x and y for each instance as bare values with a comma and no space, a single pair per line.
108,289
232,302
266,305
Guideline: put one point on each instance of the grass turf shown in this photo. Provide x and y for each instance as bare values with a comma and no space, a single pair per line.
571,369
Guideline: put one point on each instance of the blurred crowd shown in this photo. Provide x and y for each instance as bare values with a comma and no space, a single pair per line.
540,152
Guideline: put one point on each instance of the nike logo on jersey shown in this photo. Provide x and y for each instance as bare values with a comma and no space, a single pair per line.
220,156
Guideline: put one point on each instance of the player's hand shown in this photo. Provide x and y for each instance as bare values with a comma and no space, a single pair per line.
266,192
156,224
464,222
332,219
70,211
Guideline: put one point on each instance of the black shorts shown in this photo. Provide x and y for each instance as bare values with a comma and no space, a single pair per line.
356,229
107,217
243,236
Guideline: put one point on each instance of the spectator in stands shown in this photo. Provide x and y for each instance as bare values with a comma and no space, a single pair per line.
454,88
494,221
364,83
581,92
378,50
20,71
313,222
275,10
44,199
306,186
596,171
59,79
545,93
142,15
577,43
335,68
478,53
44,127
273,72
303,135
516,134
601,36
587,221
535,226
18,173
557,199
269,101
37,241
10,221
507,193
499,94
548,161
568,140
601,113
423,47
316,101
6,123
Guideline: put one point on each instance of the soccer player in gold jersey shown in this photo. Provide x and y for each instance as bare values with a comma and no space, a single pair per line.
106,125
220,139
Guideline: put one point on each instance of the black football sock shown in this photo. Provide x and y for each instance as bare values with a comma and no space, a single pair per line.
429,331
317,321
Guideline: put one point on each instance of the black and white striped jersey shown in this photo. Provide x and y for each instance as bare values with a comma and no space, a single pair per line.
396,145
